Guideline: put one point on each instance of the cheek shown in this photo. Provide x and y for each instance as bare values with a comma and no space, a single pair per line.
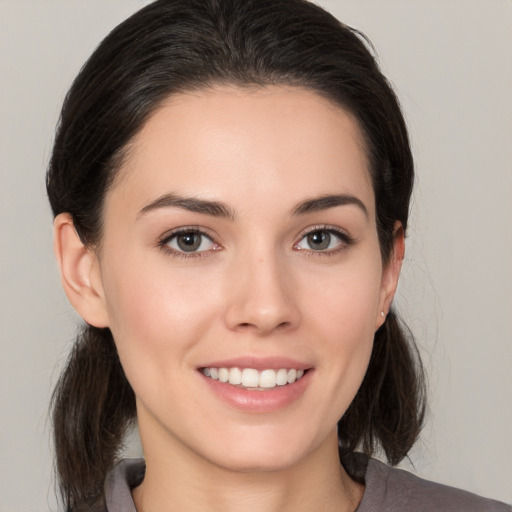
343,312
349,337
156,313
157,321
346,302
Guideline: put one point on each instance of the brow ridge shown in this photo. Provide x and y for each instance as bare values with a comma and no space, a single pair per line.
328,201
193,204
218,209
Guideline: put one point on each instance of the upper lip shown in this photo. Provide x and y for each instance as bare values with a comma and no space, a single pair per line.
258,363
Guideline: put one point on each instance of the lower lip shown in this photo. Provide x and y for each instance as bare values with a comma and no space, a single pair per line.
270,400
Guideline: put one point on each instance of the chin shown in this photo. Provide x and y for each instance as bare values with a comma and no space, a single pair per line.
260,461
265,451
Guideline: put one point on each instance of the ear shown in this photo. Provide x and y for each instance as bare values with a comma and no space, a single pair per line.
80,272
391,273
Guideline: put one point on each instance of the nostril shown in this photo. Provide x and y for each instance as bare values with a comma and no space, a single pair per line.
249,325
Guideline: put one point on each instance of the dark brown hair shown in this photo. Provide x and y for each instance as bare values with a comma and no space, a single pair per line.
178,45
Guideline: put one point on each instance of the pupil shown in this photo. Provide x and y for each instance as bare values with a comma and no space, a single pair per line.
319,240
189,242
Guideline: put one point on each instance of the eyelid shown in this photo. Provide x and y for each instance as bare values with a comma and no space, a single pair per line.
325,227
164,240
346,240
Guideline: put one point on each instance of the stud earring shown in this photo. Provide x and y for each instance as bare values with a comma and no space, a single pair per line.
382,313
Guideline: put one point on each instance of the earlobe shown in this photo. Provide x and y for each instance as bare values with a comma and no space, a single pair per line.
391,273
80,272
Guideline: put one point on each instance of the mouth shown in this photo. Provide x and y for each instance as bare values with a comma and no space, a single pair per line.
252,379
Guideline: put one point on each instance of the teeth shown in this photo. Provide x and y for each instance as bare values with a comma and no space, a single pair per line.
281,377
268,379
251,378
235,376
223,374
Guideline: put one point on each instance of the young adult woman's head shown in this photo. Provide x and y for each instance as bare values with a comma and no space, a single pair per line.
239,176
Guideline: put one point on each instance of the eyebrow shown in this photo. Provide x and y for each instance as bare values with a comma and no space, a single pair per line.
193,204
329,201
218,209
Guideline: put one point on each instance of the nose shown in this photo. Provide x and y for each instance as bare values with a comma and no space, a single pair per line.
261,297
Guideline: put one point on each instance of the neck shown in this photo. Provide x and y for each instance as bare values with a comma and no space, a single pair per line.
187,482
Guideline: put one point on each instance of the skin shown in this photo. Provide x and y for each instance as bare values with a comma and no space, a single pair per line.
256,288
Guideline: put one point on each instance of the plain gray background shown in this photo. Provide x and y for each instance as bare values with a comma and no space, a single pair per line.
451,63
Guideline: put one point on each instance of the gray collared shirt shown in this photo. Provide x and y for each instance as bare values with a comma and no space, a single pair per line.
386,490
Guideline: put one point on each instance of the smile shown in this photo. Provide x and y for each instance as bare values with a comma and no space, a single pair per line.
249,378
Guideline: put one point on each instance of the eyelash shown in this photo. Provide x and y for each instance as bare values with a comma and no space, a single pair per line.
193,230
345,242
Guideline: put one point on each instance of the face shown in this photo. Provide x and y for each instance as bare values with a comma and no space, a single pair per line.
240,243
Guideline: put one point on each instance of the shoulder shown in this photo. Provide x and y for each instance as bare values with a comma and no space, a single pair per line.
391,489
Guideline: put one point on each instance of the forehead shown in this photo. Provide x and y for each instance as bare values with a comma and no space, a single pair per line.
239,144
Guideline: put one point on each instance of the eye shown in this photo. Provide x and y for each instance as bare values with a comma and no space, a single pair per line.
189,241
324,240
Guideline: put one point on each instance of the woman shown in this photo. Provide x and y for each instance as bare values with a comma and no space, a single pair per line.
231,185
